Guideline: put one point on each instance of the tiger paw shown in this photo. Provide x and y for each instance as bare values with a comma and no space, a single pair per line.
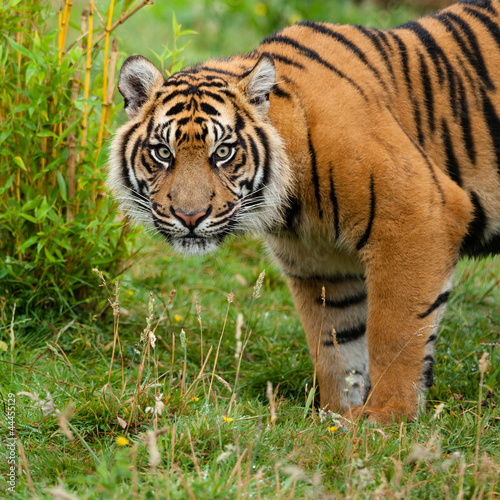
380,415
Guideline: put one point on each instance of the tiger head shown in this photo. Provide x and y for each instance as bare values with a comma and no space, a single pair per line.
199,157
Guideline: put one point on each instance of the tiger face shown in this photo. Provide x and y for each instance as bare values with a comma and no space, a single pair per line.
199,158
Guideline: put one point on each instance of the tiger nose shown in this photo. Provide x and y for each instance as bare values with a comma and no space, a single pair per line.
191,220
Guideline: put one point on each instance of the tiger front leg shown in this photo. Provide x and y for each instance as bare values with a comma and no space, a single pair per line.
408,283
335,325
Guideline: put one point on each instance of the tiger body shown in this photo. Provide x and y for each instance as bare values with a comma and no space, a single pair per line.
368,159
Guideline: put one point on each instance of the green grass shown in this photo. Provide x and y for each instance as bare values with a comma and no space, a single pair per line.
300,454
296,456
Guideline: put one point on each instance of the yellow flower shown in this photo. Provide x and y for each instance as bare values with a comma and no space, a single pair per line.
260,9
122,441
130,292
228,419
177,317
333,429
195,399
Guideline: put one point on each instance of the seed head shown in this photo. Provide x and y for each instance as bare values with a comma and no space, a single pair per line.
258,285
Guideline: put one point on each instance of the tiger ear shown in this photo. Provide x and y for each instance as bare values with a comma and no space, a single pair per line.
259,83
138,78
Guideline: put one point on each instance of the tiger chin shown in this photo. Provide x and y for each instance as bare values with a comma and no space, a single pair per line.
370,162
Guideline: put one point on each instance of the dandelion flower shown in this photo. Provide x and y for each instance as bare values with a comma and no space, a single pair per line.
122,441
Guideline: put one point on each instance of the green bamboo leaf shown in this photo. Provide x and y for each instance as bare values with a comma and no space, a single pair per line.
29,242
7,185
29,218
46,133
19,48
20,163
66,132
62,186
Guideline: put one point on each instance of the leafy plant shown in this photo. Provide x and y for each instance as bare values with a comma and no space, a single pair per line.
56,104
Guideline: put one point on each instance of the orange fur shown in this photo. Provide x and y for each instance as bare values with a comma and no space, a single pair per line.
372,159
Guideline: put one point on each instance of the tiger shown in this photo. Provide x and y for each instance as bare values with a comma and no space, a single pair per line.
367,159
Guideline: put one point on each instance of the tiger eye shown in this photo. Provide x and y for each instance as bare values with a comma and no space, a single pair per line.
223,151
163,152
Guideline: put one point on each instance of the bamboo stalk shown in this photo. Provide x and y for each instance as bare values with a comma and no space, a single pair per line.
17,179
111,78
63,25
105,78
117,23
71,141
113,59
88,67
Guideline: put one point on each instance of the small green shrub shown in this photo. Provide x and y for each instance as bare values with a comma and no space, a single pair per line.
56,104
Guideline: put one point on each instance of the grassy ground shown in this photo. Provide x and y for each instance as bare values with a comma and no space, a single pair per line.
213,445
100,414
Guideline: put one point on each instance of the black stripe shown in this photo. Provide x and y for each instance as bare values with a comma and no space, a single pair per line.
283,59
209,110
364,239
135,149
215,70
452,165
493,123
439,58
344,336
333,280
406,71
428,371
255,151
175,109
480,4
314,172
229,208
335,206
313,56
424,156
279,92
385,40
237,167
267,158
429,95
418,123
292,213
489,24
324,30
175,93
240,123
432,338
374,35
466,125
146,164
429,44
215,97
442,298
471,244
343,303
124,162
473,55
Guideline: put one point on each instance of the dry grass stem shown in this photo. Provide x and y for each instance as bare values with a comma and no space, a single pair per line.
63,419
270,397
